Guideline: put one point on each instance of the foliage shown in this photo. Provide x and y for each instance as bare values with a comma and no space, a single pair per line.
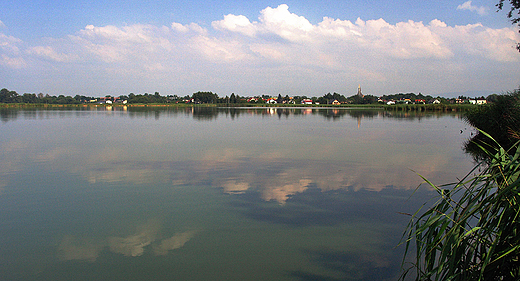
473,231
501,120
366,99
513,14
410,96
205,97
147,98
329,98
7,96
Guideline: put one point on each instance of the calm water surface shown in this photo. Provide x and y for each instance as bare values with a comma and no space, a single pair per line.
216,194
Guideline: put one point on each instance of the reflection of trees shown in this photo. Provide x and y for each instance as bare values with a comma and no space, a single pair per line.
413,116
8,114
203,113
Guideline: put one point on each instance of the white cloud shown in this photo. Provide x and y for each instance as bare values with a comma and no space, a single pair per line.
468,6
49,53
180,28
137,42
405,40
278,48
9,43
240,24
219,50
287,25
10,55
12,62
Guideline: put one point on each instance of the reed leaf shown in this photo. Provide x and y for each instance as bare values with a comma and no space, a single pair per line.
472,231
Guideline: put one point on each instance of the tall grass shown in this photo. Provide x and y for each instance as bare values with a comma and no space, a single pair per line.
472,232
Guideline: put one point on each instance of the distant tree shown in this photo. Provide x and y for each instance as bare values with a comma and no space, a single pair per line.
492,98
232,98
355,99
205,97
369,99
513,14
7,96
29,98
280,99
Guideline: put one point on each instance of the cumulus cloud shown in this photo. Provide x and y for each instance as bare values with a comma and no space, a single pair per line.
285,24
10,51
49,53
12,62
188,27
331,42
269,49
240,24
403,40
469,7
114,44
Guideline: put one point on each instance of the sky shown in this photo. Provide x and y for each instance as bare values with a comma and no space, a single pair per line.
115,47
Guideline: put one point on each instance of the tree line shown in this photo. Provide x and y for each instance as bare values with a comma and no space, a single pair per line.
7,96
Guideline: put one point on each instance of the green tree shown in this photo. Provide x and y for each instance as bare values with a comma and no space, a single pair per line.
205,97
29,98
7,96
369,99
501,120
232,98
279,99
355,99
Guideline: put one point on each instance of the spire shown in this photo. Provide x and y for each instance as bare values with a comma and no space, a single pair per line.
359,91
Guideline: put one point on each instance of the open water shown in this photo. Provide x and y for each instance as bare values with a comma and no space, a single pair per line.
216,194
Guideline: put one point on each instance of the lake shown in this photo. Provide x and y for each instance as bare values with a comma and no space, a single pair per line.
166,193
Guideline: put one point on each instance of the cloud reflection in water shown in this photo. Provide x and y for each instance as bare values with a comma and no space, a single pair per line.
133,245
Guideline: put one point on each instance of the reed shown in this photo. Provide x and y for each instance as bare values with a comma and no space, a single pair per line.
472,231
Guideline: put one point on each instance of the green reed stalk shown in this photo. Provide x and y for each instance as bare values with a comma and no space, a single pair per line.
472,232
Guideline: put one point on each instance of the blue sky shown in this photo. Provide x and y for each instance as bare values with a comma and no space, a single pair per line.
100,48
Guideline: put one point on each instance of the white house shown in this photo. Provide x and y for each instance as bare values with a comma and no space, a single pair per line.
479,102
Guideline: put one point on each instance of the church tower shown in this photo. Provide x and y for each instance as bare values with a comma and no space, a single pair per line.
359,91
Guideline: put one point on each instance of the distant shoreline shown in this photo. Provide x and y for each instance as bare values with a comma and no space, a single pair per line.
395,107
